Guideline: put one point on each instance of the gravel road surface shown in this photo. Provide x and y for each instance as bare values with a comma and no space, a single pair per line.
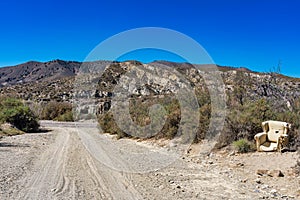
70,162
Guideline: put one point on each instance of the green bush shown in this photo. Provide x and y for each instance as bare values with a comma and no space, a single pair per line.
13,111
108,125
66,117
60,111
243,146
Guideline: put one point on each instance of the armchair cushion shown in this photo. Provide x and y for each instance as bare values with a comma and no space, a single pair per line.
268,146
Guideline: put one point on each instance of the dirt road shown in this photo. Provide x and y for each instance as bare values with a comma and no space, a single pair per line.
80,163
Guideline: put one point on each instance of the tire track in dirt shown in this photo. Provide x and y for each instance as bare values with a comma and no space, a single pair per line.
47,171
66,170
117,184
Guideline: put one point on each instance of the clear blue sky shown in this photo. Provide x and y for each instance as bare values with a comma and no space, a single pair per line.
249,33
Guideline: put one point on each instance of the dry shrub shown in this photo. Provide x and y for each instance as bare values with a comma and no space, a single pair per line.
61,111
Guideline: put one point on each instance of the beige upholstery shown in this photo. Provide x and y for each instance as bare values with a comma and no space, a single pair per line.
274,137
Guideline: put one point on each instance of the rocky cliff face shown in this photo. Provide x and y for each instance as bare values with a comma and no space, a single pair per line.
274,87
161,78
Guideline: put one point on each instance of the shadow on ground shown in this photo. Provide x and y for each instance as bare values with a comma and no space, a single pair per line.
42,130
6,144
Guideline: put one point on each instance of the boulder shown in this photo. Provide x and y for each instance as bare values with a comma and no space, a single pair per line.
275,173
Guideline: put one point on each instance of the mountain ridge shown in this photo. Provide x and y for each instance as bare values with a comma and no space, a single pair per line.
35,71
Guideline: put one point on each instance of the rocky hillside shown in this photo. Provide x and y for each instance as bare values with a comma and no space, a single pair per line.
55,80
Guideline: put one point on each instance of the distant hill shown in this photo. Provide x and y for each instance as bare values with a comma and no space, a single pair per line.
37,71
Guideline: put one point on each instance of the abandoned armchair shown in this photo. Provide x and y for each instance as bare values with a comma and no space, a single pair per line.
274,137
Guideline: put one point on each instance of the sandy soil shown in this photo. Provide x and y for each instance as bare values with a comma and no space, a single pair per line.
80,163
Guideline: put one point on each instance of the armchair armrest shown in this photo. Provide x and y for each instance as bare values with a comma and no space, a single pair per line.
260,138
285,135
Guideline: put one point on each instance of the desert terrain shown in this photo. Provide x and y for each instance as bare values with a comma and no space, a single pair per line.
64,163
